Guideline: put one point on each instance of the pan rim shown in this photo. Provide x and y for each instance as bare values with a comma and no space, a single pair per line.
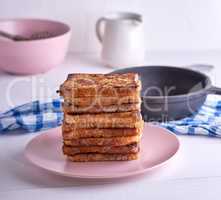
179,97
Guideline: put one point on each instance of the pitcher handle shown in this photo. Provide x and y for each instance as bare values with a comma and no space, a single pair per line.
98,28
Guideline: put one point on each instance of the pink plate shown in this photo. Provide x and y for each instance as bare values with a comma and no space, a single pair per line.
158,146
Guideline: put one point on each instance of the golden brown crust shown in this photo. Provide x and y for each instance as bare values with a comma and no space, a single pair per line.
115,141
106,85
70,108
102,92
70,132
105,120
102,120
79,80
104,101
103,157
132,148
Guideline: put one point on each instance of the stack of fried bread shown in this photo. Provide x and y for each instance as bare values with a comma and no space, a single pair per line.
102,120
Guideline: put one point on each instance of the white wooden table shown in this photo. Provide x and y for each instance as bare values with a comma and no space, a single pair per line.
195,173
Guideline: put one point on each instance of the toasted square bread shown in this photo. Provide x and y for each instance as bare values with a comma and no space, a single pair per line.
70,132
132,148
105,120
104,101
115,141
70,108
90,157
105,85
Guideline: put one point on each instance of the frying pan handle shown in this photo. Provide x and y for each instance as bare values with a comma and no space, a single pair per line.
214,90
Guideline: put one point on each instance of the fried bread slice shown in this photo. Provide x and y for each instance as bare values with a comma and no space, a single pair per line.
69,132
105,85
70,108
102,101
132,148
90,157
115,141
105,120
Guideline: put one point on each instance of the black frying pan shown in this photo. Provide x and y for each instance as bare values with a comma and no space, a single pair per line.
170,93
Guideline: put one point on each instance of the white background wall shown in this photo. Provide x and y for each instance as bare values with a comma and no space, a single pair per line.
169,24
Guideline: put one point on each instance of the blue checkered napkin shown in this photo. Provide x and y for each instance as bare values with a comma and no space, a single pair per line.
206,122
38,116
33,117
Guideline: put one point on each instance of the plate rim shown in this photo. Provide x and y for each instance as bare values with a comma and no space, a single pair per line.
111,176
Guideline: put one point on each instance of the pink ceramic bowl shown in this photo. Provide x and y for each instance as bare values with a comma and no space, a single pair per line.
33,56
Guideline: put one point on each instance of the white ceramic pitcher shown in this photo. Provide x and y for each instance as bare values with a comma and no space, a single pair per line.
122,38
